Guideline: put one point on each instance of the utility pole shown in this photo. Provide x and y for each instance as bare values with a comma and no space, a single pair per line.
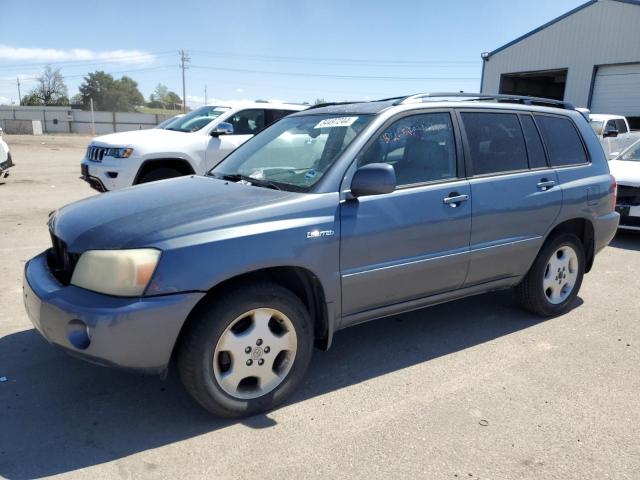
205,94
184,60
19,94
93,118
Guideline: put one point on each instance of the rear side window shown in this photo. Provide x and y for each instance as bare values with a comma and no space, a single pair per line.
621,125
562,141
495,142
535,150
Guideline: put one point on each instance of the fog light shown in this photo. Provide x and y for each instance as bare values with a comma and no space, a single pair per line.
78,334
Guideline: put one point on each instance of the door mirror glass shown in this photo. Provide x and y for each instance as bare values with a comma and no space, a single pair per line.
610,131
373,179
223,128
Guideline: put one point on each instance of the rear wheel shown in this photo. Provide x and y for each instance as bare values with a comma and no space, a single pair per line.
248,351
555,278
160,173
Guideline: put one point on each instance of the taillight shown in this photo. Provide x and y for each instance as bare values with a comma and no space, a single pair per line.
614,189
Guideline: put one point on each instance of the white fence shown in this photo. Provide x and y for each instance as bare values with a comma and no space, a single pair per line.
67,120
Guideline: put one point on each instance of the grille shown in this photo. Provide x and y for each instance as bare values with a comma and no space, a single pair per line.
630,221
61,262
628,195
96,154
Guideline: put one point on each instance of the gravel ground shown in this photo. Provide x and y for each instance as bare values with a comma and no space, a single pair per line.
471,389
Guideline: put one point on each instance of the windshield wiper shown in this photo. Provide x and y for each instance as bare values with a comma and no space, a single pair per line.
236,177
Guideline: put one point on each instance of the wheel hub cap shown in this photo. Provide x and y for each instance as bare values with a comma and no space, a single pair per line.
560,275
255,353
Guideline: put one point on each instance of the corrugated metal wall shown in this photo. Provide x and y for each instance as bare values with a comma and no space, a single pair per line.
606,32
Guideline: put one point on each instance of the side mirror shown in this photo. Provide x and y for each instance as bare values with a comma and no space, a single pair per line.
610,132
373,179
223,128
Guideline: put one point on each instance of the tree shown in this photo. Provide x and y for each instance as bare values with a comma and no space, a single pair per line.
109,93
319,101
162,97
51,89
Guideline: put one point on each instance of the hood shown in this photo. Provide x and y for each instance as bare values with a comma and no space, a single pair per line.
135,137
148,214
625,172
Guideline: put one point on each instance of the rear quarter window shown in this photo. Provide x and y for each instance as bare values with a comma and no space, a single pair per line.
563,141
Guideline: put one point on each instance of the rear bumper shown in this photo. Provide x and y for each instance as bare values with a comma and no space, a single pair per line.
131,333
605,228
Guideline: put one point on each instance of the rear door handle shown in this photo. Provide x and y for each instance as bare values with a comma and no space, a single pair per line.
545,184
454,199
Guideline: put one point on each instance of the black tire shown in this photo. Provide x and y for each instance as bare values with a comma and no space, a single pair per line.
530,292
160,173
210,321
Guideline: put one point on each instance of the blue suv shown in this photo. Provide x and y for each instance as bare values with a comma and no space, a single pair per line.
333,216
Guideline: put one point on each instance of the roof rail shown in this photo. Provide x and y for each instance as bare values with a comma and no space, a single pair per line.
489,97
330,104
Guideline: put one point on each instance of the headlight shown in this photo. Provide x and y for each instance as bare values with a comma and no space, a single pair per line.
119,152
125,273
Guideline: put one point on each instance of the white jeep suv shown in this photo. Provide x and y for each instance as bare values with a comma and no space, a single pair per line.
188,144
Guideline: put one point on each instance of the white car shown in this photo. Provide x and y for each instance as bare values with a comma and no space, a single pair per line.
189,144
613,131
626,170
5,158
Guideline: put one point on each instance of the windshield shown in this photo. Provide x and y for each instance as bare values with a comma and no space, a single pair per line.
168,121
293,153
597,126
631,154
195,120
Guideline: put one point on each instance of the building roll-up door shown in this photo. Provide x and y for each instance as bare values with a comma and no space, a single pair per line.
616,89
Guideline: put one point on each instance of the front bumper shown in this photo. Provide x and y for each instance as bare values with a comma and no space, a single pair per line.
109,174
131,333
629,216
4,166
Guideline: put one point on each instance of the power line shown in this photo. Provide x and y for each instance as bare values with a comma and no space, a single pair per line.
324,75
340,61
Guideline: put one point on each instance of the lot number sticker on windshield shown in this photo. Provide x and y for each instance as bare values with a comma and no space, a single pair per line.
336,122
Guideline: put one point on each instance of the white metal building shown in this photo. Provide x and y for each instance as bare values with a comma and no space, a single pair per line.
589,56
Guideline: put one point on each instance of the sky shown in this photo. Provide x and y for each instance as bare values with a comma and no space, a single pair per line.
288,50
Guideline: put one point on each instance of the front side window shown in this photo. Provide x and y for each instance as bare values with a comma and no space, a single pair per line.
295,152
597,126
247,122
194,120
496,143
421,149
562,140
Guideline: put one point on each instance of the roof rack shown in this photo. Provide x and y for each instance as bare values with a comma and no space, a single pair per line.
488,97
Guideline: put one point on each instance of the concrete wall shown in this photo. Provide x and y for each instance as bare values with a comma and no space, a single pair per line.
67,120
606,32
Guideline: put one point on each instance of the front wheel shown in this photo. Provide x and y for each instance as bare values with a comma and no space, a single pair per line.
160,173
246,352
553,282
